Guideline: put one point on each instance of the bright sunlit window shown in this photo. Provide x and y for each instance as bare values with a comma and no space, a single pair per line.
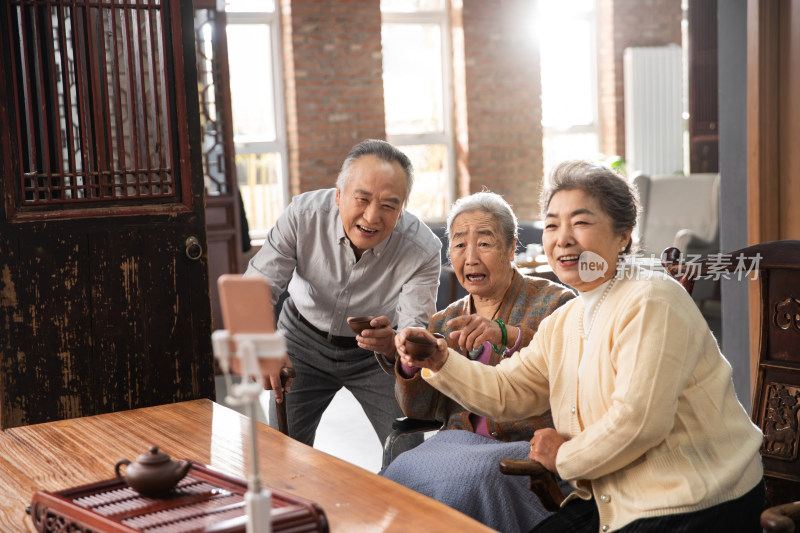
259,132
416,67
249,6
568,44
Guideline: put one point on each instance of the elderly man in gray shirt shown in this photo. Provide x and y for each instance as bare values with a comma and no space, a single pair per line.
346,252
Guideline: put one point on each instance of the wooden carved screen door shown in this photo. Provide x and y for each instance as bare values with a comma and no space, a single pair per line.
104,300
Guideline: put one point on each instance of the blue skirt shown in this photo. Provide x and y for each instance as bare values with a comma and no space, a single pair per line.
460,469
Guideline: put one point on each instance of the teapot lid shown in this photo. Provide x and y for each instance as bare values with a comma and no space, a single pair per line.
153,457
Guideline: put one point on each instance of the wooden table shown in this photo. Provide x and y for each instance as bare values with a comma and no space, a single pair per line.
67,453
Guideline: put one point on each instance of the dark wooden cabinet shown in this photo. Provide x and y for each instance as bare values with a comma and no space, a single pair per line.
104,300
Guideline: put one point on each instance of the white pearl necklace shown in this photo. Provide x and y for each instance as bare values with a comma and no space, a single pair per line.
585,335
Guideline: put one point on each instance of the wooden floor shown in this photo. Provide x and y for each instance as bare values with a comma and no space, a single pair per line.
345,432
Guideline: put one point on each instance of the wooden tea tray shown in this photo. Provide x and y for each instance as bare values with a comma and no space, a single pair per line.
205,501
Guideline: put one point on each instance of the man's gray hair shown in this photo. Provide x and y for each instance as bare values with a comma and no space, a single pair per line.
492,204
382,150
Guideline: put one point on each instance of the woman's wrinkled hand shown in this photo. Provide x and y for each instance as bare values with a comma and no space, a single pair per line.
544,447
475,329
434,362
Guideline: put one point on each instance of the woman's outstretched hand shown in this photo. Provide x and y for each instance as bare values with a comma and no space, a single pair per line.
475,329
544,447
434,362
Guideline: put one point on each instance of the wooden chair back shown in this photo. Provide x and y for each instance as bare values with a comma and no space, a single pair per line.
776,396
287,373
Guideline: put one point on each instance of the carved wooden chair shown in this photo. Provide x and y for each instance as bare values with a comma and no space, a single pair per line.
776,398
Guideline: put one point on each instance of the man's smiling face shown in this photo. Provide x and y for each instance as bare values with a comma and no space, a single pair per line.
371,202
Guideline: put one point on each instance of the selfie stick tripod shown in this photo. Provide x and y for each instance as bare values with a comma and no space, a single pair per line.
249,348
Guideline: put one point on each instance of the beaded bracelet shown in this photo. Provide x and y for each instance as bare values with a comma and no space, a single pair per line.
504,341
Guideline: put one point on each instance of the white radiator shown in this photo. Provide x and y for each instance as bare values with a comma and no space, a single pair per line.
653,110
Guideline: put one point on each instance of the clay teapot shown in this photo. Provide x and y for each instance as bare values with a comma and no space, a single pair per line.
153,474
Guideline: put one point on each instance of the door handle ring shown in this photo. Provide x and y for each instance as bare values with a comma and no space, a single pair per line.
193,248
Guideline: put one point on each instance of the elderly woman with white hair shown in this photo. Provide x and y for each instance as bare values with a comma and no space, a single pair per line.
502,310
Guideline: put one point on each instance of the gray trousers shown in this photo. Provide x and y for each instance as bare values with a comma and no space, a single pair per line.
322,369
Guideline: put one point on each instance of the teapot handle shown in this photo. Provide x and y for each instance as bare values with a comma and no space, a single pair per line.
121,462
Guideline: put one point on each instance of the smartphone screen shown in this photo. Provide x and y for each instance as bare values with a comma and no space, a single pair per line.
246,304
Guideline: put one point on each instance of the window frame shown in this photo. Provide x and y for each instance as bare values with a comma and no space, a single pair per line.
554,132
280,144
440,18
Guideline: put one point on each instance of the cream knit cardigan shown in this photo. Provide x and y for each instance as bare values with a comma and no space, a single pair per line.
654,426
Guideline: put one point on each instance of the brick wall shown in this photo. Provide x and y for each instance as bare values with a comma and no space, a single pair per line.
624,23
503,102
334,85
334,93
